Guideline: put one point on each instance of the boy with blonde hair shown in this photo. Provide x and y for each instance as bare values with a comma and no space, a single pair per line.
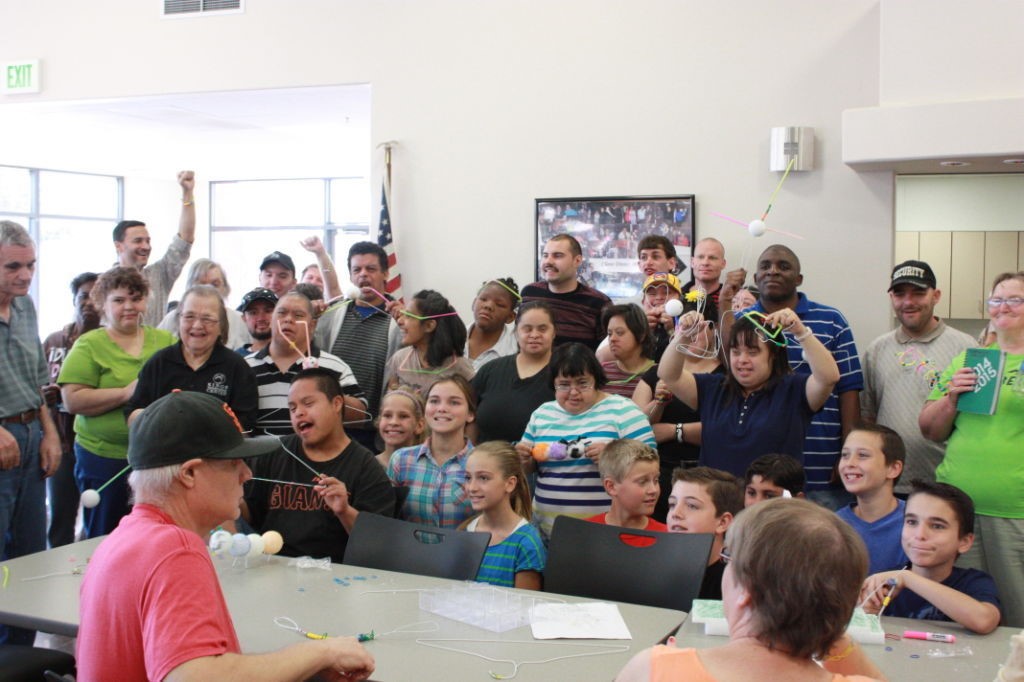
629,470
706,500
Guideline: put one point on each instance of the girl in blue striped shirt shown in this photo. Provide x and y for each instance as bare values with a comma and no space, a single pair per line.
499,494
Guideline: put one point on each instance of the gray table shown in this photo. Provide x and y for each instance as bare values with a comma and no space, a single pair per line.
321,601
908,659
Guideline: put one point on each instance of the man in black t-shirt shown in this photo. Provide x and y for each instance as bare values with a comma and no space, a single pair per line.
314,514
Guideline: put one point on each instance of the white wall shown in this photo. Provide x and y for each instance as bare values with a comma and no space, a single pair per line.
950,50
496,103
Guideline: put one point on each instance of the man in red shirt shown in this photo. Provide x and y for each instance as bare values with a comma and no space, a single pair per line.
151,606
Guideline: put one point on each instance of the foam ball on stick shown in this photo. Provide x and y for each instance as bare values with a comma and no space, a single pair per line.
756,228
272,542
220,541
90,498
674,308
255,545
351,291
239,545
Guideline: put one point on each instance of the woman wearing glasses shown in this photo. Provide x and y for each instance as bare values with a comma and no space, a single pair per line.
564,438
200,361
983,453
759,406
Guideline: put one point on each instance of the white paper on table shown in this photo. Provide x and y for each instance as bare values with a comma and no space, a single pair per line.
592,620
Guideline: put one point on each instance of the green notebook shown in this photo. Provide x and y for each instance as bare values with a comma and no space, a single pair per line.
987,363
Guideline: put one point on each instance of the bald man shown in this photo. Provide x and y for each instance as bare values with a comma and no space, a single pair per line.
707,264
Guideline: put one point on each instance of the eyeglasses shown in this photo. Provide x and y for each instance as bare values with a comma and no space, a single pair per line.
190,319
568,387
725,556
1014,302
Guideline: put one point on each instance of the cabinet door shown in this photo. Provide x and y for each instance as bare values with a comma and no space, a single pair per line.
1000,256
967,276
905,247
935,249
1020,252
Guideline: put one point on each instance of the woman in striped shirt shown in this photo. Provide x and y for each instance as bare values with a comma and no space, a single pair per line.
581,415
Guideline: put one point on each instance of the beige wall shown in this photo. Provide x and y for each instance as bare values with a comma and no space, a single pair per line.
496,103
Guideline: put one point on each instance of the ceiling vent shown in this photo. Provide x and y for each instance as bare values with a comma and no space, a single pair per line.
178,8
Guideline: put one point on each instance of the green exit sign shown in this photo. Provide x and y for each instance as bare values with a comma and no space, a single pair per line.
19,77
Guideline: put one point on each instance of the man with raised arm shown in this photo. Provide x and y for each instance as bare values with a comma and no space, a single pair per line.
131,240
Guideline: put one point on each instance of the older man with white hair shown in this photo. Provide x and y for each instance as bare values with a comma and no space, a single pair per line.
151,606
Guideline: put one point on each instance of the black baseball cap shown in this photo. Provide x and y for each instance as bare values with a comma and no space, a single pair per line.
184,425
257,294
915,272
279,258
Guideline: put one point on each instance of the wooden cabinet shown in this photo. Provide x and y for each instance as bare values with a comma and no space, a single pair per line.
965,263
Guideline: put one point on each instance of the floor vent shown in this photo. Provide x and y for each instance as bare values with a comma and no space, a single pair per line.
177,8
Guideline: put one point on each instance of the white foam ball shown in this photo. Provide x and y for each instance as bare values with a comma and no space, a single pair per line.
674,308
351,291
756,228
255,545
90,498
272,542
239,545
220,541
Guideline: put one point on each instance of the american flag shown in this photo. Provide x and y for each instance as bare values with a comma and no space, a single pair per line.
386,240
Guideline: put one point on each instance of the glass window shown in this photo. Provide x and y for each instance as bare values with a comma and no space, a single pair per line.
15,189
70,225
268,203
252,218
77,194
67,247
350,201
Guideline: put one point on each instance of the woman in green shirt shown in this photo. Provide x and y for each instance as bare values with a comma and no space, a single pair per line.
97,379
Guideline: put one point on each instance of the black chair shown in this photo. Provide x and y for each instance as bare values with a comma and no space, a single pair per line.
589,559
394,545
23,663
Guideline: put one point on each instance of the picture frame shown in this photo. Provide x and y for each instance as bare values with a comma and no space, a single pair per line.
609,230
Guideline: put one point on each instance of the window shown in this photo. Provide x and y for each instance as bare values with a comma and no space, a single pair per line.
251,218
70,216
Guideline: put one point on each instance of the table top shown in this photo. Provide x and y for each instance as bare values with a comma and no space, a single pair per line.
348,600
911,659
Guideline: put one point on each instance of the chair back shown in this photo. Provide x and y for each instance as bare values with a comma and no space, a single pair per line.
394,545
595,560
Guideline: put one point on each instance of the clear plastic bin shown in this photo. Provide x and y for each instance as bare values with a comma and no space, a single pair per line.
483,606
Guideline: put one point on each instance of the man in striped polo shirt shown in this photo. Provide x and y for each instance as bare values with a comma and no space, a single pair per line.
778,276
577,307
290,351
361,333
902,366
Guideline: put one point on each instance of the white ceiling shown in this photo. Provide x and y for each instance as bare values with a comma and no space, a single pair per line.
255,133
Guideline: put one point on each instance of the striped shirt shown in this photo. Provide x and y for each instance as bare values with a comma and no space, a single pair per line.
522,550
573,486
437,492
274,384
824,440
577,313
364,343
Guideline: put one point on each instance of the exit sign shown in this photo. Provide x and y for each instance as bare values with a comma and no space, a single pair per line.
19,77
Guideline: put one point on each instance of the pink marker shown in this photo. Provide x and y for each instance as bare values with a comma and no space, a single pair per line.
929,636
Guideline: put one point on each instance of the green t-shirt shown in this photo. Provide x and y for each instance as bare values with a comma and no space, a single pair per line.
985,453
98,362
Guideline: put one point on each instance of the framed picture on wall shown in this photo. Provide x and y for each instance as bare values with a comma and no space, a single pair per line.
609,229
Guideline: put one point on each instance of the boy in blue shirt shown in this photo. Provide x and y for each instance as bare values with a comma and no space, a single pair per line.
938,527
869,466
